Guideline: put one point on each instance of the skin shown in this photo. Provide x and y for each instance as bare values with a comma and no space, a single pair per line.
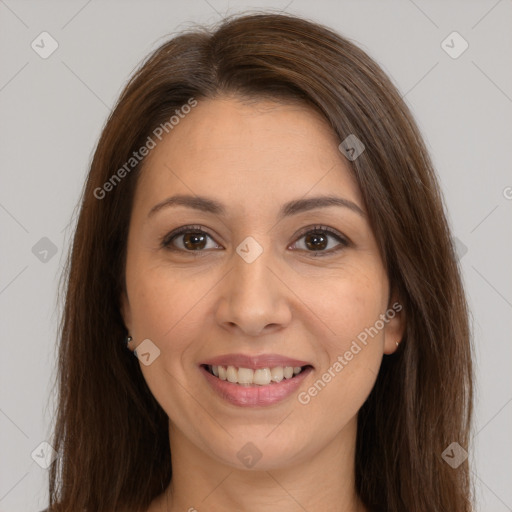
253,157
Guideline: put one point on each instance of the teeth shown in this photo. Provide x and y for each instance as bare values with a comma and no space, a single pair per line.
262,376
277,374
288,372
245,375
259,377
232,374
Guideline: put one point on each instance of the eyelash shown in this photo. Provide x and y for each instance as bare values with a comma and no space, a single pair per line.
166,241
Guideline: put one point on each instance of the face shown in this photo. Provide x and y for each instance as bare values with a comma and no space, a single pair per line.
300,285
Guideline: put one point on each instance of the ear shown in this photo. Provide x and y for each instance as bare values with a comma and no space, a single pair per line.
395,326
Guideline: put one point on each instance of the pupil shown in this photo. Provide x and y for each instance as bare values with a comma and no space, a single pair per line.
316,241
313,241
189,239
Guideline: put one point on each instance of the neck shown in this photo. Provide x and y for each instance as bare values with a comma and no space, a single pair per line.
325,481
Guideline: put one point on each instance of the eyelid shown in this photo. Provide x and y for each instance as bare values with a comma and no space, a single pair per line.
166,240
343,241
317,227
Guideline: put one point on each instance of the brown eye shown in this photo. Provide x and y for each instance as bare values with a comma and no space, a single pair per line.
194,241
317,240
187,238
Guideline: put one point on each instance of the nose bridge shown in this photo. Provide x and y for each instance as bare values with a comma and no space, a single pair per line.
253,295
250,274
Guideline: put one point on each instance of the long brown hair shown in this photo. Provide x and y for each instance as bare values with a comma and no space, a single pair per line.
109,428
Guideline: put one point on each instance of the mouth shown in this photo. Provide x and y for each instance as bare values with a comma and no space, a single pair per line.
255,377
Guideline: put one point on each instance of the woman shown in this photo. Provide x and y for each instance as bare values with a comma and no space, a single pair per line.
263,302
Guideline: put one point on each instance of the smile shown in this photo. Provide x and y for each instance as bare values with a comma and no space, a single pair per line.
258,377
247,387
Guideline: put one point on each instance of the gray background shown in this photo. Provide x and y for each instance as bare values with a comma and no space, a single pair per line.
51,114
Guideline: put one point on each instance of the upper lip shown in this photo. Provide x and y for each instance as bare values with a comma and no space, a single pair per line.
254,362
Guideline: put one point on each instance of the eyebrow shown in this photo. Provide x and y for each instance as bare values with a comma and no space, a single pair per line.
208,205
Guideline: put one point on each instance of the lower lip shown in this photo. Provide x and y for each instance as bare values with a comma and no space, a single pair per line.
255,396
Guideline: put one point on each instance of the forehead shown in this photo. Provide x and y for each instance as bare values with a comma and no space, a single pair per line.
258,151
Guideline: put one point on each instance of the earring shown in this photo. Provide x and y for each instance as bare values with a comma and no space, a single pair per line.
397,343
127,340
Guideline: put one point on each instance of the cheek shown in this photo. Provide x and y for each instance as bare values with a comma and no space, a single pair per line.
353,349
165,309
165,306
348,302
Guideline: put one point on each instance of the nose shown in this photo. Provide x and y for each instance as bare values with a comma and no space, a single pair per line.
253,299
